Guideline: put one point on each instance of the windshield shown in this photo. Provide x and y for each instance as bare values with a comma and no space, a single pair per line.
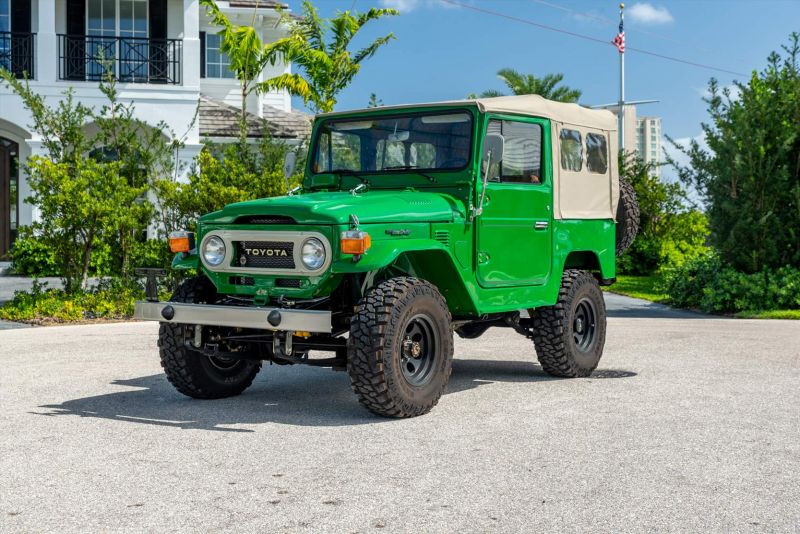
424,142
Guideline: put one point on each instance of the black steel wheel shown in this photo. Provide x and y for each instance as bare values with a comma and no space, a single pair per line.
419,350
400,349
584,325
569,337
192,373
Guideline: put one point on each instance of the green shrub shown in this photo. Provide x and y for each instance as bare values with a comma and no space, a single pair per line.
109,299
32,257
707,284
670,231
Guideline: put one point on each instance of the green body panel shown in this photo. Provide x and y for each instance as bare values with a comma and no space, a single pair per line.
496,262
335,207
508,225
183,262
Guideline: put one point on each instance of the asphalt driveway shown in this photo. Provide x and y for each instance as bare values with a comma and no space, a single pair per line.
690,424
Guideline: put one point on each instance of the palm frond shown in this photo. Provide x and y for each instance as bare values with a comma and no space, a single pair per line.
370,50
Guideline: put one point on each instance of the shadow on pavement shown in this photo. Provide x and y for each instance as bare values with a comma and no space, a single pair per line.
285,395
631,308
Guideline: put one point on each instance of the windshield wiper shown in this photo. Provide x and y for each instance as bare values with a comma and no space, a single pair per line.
409,168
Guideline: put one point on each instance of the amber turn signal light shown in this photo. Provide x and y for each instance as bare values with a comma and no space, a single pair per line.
355,242
181,241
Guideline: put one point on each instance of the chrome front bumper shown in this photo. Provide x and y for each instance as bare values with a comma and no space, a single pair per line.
233,316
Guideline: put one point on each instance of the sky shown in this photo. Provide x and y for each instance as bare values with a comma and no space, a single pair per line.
442,51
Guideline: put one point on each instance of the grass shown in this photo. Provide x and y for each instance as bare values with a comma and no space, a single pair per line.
647,288
770,314
640,287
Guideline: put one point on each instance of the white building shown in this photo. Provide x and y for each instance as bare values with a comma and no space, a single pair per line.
167,60
642,135
648,140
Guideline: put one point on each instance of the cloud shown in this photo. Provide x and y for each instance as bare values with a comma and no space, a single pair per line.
733,90
403,6
649,14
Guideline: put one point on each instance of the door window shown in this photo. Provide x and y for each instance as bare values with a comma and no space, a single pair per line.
522,154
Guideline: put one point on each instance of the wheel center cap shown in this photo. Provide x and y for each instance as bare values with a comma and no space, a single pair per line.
579,325
416,350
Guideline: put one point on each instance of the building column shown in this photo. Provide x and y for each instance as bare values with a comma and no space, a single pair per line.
30,212
191,43
46,46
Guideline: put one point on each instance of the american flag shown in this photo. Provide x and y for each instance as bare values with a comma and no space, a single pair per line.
619,40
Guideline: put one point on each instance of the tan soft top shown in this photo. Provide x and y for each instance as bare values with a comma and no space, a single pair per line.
578,193
533,105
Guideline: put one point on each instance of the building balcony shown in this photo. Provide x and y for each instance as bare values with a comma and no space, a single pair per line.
17,53
128,59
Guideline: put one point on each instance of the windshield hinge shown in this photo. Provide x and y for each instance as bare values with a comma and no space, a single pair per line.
357,189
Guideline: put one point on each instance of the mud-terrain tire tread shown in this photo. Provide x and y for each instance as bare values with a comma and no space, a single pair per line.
181,365
367,342
627,217
550,328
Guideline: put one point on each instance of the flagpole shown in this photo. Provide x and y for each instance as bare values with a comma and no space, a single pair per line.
621,115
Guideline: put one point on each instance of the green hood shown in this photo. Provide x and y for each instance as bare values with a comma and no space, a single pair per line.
336,208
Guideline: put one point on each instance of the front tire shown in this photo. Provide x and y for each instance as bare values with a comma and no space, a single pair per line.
192,373
400,350
570,336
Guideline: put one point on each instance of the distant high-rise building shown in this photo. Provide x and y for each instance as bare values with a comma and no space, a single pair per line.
648,140
642,135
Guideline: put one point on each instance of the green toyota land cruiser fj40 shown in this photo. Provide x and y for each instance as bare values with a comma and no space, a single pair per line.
413,222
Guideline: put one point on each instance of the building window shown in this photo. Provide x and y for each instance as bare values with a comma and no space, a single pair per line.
107,19
571,150
5,26
5,15
522,155
217,62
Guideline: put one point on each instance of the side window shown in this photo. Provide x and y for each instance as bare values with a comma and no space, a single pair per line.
571,150
522,157
596,153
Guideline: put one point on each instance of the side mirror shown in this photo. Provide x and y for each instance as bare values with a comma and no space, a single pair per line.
289,163
493,146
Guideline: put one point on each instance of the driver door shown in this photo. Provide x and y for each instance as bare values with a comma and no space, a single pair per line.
515,227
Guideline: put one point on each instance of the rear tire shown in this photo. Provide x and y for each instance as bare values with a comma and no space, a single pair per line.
569,337
627,217
192,373
400,350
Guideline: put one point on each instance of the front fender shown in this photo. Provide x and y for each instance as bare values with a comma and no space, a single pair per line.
183,262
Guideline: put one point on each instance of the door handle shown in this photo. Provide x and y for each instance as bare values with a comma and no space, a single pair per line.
541,225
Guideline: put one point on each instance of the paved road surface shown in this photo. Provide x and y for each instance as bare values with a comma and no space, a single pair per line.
691,424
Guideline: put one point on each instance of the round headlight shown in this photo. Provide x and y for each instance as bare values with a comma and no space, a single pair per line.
313,254
214,251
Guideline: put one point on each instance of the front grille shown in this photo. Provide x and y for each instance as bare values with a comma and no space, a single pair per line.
242,280
265,254
287,283
265,219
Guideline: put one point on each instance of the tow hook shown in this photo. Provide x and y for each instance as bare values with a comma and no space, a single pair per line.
288,349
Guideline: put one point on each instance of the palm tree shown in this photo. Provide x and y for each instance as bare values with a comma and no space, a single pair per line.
327,65
528,84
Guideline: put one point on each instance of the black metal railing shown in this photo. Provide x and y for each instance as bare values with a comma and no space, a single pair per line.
16,53
129,59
